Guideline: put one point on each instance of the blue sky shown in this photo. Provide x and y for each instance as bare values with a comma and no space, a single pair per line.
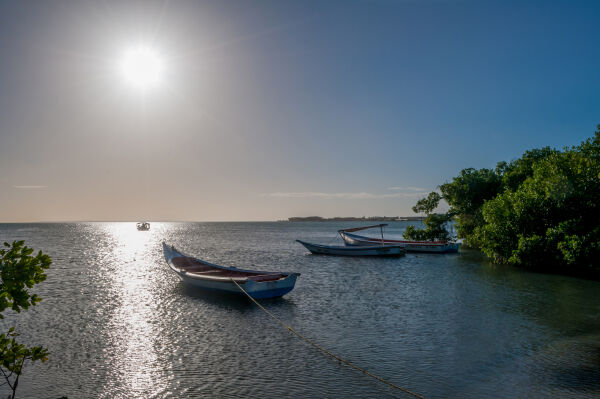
272,109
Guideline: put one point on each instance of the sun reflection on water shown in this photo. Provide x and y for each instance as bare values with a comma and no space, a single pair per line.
119,324
132,330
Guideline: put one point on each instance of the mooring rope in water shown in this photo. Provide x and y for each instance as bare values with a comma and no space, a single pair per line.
319,347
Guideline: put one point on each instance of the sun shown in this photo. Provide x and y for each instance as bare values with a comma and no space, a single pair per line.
141,67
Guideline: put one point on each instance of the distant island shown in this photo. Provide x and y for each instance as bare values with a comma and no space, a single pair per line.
355,219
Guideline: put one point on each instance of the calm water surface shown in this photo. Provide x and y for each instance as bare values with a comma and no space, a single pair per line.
119,324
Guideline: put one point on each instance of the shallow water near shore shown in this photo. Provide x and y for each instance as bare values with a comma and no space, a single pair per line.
119,324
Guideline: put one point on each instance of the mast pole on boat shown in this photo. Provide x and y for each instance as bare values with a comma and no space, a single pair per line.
382,242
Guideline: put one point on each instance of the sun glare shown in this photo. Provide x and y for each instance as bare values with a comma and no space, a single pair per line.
141,67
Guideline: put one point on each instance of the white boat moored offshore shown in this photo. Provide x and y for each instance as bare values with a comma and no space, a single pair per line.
411,246
340,250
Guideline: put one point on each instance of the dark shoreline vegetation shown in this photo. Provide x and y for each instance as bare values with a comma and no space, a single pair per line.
354,219
540,212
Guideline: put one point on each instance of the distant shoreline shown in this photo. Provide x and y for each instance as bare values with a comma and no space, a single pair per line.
356,219
292,219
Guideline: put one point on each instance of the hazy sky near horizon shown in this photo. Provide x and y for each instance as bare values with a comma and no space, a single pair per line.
272,109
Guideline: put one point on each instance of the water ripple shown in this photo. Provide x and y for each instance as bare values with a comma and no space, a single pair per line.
120,325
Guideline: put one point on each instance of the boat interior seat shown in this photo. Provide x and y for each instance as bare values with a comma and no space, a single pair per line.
265,277
194,266
208,271
194,269
189,265
218,272
231,273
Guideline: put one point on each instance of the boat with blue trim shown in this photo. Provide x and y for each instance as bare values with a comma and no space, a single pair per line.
211,277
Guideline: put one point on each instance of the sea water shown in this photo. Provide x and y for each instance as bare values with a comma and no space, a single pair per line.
119,324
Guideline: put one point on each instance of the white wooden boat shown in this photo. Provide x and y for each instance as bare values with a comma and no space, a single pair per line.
340,250
352,239
207,276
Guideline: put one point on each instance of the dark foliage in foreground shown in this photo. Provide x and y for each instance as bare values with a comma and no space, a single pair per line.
19,271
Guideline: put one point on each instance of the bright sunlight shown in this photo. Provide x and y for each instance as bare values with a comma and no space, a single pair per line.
141,67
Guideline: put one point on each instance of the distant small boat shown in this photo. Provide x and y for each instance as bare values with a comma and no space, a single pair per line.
356,240
339,250
207,276
143,226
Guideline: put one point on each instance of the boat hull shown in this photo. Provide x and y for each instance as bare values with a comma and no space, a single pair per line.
267,289
381,250
215,278
143,226
355,240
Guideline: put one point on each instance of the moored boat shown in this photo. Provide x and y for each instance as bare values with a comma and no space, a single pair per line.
351,239
340,250
143,226
208,276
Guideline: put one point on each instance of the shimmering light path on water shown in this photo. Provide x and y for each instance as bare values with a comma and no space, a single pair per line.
120,325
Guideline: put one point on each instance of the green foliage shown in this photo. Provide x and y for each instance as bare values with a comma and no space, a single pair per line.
541,211
428,204
13,356
19,271
469,190
466,194
516,172
435,223
435,229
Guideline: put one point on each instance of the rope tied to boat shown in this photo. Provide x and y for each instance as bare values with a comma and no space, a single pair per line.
320,348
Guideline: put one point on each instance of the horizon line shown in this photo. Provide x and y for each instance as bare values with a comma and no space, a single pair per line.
191,221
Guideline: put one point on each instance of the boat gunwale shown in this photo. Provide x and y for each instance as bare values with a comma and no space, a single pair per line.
350,248
374,240
239,279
